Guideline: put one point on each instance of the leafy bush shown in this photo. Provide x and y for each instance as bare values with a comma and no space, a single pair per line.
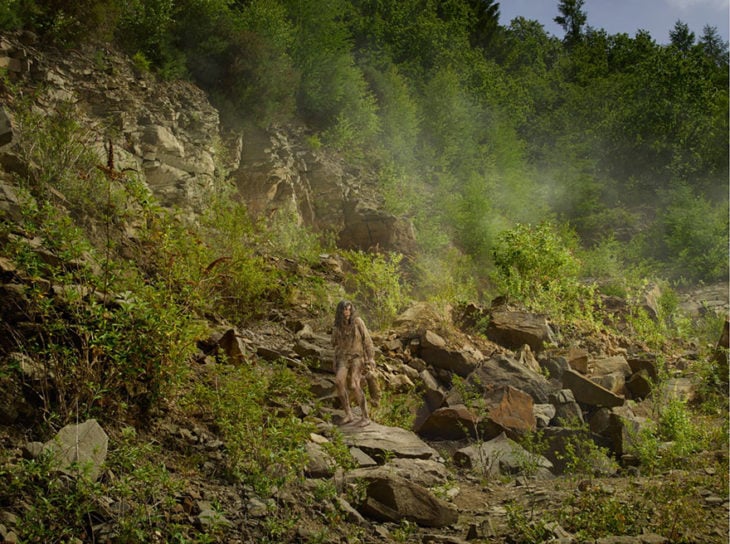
145,27
254,409
689,239
538,265
376,286
50,506
10,18
290,239
448,277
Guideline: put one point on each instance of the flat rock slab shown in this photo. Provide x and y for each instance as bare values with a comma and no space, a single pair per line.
376,440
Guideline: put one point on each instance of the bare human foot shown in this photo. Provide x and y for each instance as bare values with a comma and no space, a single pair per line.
347,419
363,422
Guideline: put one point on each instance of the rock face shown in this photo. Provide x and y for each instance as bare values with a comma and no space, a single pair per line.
502,456
164,131
276,174
168,132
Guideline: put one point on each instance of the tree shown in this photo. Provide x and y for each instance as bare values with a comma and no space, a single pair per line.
485,26
713,46
682,37
572,18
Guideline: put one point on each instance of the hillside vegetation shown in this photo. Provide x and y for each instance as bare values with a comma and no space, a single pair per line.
473,124
567,176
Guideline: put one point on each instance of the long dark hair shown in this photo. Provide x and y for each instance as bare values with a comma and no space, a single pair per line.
340,313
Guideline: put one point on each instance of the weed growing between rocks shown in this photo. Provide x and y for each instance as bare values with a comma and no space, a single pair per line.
137,499
254,409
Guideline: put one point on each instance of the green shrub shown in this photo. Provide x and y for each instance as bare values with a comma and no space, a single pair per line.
376,286
10,17
538,266
49,506
691,236
254,408
446,278
146,27
289,239
676,434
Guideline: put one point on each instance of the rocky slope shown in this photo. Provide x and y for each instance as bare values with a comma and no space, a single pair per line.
458,473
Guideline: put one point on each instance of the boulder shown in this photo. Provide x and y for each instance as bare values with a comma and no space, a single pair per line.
435,351
567,410
433,394
79,449
639,385
510,410
448,423
544,414
527,359
320,464
503,370
231,345
425,472
380,441
513,329
392,498
578,359
502,456
610,365
587,392
646,364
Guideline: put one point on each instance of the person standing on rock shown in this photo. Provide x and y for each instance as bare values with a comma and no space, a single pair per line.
354,358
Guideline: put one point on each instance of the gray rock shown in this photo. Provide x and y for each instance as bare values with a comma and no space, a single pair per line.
79,449
380,441
588,392
391,498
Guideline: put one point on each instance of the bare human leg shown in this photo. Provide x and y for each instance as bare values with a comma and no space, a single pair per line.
340,385
359,394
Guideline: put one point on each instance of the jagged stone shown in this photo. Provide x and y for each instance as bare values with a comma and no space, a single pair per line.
320,464
513,329
578,359
79,449
380,441
639,385
612,381
435,351
425,472
232,346
391,498
567,410
648,365
544,414
610,365
362,459
510,410
555,366
433,394
503,370
588,392
526,358
448,423
502,456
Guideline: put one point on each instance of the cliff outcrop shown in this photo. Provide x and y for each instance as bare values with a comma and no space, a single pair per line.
171,135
